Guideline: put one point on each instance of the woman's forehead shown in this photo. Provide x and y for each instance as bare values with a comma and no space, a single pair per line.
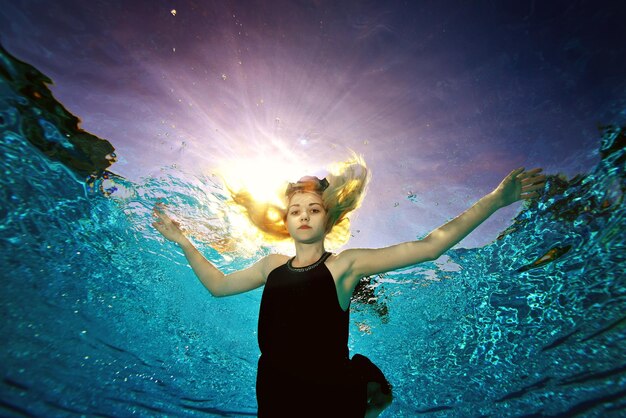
305,199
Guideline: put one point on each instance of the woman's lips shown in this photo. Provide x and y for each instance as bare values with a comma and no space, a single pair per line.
305,227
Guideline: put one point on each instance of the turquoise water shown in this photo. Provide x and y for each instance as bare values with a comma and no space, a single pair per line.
100,317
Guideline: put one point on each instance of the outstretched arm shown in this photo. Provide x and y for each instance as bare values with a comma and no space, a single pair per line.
519,184
211,277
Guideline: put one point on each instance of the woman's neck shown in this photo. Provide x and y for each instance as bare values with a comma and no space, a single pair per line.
307,254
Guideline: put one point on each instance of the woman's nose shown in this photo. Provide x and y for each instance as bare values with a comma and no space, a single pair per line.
304,215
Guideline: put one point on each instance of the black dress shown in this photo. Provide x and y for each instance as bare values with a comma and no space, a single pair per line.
304,369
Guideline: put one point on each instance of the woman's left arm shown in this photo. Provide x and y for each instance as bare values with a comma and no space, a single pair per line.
518,185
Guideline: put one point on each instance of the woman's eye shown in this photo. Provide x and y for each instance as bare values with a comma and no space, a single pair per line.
315,210
295,212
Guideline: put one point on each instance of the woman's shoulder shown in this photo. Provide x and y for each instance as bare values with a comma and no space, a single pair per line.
273,261
349,255
344,261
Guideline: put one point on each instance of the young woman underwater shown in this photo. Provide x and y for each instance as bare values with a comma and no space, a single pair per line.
305,369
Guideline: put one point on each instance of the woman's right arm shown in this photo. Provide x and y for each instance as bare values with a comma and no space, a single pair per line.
211,277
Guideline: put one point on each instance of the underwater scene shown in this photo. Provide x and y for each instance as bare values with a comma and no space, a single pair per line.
101,317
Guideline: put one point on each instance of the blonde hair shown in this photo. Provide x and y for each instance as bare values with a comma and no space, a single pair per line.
347,185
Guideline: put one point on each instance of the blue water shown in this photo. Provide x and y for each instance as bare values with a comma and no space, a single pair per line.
100,317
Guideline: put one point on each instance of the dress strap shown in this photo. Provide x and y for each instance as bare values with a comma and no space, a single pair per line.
309,267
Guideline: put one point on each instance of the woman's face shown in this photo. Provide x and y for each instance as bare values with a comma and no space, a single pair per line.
306,217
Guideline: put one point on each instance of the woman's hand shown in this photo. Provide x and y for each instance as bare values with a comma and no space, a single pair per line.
520,184
168,227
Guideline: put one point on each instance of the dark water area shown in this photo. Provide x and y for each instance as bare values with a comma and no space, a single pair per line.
101,318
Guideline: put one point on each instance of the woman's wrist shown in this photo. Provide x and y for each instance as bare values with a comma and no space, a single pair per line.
184,242
493,200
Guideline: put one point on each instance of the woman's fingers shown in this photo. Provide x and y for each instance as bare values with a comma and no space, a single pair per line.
532,183
158,227
533,180
534,171
533,187
531,195
160,218
517,172
529,173
162,223
158,211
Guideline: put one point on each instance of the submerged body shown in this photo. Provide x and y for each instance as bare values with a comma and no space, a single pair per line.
304,369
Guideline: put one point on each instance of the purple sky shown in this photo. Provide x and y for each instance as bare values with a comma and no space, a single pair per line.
442,99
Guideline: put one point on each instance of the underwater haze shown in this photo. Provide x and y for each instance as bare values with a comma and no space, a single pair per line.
102,317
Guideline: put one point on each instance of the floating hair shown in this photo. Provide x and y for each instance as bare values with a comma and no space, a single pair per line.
347,185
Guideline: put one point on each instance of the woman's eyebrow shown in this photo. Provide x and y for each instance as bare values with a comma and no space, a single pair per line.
310,204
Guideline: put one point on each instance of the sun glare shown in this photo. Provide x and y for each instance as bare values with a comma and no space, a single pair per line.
264,177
